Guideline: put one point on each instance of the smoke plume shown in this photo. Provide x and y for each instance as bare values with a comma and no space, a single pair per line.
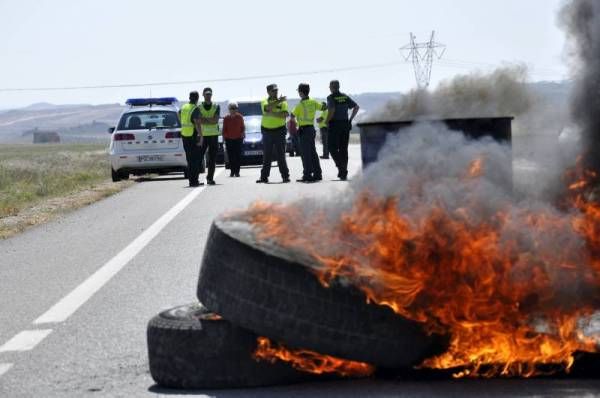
581,20
500,93
431,171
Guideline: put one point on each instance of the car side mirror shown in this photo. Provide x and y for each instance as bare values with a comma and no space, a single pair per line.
111,130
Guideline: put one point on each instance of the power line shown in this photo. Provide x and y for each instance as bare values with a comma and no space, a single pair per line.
421,55
443,63
218,80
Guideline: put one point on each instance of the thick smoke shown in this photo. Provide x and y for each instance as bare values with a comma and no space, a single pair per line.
500,93
581,19
431,166
540,154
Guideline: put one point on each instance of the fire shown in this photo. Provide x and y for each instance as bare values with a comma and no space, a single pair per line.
476,168
495,286
309,361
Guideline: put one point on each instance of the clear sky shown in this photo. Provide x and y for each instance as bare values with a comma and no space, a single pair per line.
66,43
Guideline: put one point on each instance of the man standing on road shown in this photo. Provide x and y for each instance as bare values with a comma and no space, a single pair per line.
192,139
339,125
209,119
275,112
305,113
322,120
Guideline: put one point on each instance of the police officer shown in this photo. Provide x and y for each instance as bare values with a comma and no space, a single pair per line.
339,125
275,112
305,113
190,134
209,120
324,131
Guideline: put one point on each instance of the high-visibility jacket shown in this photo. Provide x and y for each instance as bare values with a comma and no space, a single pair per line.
273,122
187,126
324,115
306,110
209,129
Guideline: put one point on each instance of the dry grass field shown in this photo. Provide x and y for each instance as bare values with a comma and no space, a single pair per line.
37,182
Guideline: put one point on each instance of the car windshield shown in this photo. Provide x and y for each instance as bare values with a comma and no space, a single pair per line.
149,120
252,124
249,108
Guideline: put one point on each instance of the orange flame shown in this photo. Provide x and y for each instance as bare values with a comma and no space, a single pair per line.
309,361
497,294
476,168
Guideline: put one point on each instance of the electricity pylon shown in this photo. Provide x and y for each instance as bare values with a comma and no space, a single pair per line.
421,55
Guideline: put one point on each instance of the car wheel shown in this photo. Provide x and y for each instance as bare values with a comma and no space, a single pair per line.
227,166
124,175
190,347
185,174
116,177
284,300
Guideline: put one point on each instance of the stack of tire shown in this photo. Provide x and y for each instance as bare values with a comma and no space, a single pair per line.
258,293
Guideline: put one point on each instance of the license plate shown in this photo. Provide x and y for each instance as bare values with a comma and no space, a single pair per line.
150,158
253,153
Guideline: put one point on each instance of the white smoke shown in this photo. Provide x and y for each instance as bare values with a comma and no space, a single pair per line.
540,154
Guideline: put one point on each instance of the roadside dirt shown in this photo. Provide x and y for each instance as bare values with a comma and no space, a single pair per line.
52,208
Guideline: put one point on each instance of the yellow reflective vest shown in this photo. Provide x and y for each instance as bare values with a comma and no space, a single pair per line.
212,128
306,111
324,115
273,122
187,127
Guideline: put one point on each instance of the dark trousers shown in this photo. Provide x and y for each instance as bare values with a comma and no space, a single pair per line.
234,154
193,157
211,144
274,146
295,144
337,141
308,152
324,133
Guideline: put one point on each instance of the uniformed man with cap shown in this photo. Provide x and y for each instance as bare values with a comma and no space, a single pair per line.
190,135
305,113
209,120
274,115
339,125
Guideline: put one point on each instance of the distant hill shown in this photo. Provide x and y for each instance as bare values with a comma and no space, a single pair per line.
89,122
62,118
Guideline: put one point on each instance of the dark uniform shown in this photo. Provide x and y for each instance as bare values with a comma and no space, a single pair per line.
339,130
273,134
210,143
189,136
305,113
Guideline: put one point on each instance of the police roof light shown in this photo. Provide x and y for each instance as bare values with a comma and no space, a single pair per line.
151,101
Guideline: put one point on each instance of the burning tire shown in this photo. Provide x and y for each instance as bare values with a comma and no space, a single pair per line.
190,347
284,301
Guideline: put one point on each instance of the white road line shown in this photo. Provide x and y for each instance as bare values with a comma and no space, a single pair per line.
5,367
82,293
25,341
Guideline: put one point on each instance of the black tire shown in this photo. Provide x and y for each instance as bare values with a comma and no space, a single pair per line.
227,166
116,177
185,174
285,301
189,347
124,175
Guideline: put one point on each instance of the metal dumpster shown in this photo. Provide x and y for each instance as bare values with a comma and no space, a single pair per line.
374,134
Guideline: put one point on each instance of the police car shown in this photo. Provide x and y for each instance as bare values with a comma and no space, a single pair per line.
147,139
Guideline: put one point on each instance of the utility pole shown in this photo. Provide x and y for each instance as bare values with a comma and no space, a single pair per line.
421,55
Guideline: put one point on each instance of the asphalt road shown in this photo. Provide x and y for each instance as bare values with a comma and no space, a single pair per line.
76,295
